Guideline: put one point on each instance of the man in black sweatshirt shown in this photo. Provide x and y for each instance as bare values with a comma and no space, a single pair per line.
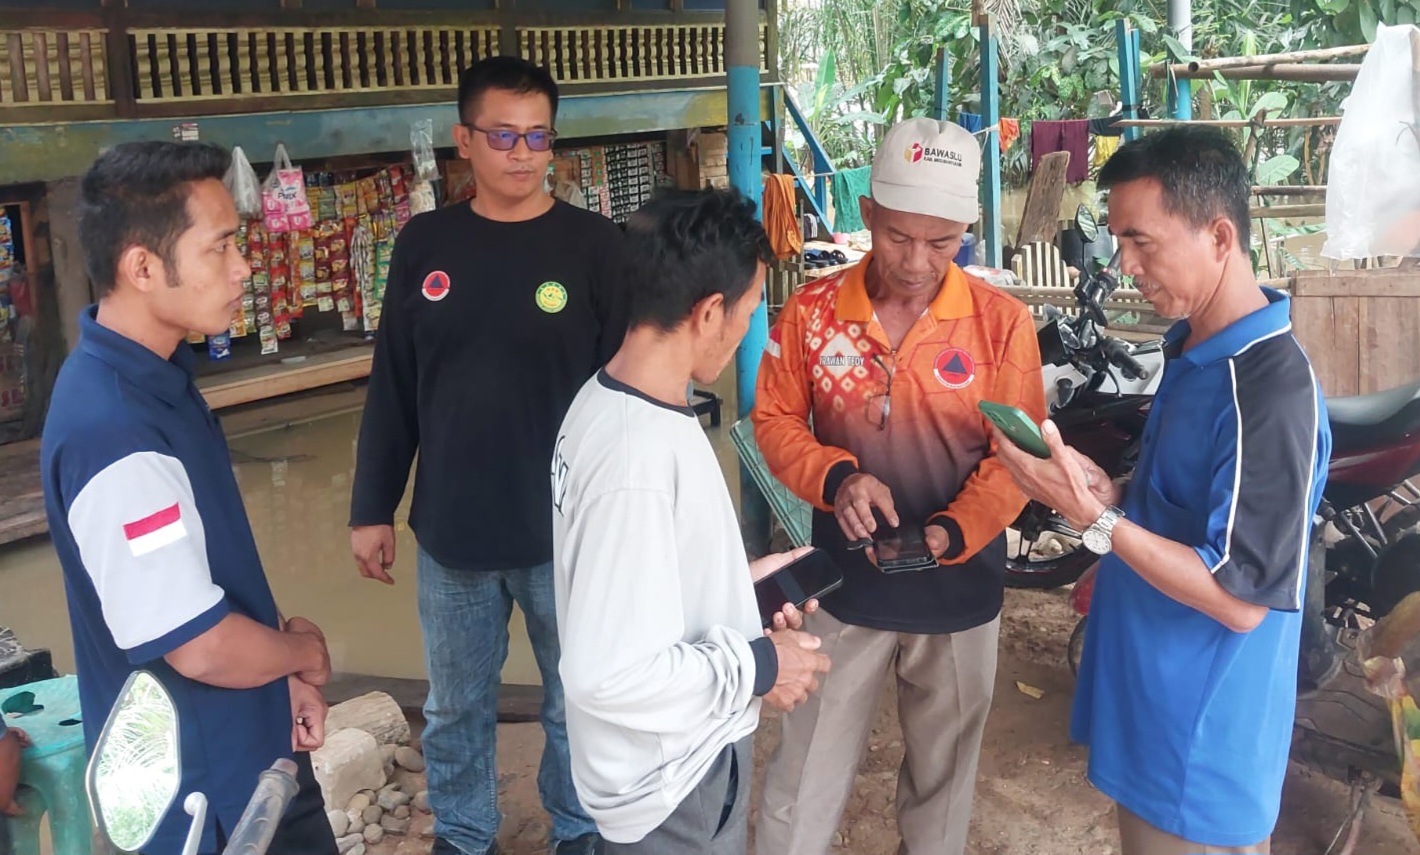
497,311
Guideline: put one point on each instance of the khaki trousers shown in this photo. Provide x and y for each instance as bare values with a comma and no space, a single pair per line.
944,687
1138,837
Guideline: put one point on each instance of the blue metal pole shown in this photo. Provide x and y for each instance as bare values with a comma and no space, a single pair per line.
742,54
942,90
1128,47
1180,94
744,163
991,154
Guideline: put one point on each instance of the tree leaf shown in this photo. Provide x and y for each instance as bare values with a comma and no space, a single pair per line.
1368,20
1276,169
1273,102
1177,51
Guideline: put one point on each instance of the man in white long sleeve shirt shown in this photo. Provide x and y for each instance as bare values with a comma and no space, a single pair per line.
663,659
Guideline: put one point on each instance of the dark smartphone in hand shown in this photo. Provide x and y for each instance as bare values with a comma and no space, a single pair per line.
902,550
808,578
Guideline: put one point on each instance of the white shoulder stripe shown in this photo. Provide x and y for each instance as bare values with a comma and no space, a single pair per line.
1308,495
1237,471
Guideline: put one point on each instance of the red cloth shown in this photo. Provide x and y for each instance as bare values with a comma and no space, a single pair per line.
1072,135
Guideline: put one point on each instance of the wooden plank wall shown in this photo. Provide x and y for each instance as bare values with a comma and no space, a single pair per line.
1361,328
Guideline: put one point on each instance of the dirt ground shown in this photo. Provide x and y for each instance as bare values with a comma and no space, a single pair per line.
1031,796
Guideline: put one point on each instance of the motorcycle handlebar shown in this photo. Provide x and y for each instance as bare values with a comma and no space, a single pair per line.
274,791
1121,358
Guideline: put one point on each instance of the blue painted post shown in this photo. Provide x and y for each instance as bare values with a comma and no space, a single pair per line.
742,58
942,90
1180,95
991,153
1128,46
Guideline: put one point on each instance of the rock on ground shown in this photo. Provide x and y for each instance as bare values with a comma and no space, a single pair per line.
348,763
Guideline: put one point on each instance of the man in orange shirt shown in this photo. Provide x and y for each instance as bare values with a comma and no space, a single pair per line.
867,408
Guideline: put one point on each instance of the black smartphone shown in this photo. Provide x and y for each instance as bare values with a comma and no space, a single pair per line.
806,579
902,549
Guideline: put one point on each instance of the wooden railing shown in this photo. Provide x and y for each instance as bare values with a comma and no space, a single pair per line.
126,64
192,65
44,67
616,54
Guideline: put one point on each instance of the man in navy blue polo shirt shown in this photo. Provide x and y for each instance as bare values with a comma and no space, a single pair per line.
1187,688
160,567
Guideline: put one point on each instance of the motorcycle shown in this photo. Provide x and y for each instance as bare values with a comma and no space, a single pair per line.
134,775
1098,389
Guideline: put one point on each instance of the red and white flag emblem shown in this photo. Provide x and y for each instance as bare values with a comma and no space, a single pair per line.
155,531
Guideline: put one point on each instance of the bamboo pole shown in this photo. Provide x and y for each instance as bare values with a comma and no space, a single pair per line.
1280,212
1230,123
1274,58
1262,71
1290,190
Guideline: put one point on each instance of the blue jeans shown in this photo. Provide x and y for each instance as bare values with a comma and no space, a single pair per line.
464,615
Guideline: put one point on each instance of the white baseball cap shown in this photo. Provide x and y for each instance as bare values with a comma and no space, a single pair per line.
928,167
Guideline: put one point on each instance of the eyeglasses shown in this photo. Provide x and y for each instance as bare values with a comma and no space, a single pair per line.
880,403
503,140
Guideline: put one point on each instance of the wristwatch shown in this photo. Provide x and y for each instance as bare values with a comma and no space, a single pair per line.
1099,537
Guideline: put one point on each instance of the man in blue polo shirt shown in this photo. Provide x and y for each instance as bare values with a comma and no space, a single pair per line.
160,567
1187,688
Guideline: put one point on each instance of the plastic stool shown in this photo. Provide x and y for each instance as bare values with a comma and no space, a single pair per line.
52,769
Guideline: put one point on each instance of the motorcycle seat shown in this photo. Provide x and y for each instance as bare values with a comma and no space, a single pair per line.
1375,418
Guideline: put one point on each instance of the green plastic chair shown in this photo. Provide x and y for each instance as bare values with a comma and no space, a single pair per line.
793,514
52,769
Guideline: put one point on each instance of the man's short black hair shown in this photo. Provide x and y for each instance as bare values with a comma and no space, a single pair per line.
686,245
136,194
509,73
1202,174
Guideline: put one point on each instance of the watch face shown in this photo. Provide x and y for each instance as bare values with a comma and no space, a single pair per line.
1096,541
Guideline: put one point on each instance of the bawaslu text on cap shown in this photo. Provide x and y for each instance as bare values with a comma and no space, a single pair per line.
928,167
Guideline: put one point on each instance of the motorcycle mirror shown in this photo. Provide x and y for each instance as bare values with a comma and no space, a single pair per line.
1086,223
134,773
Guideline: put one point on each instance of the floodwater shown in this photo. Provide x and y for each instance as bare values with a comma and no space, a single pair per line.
295,481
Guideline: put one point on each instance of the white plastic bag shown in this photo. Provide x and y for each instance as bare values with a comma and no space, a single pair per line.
421,145
244,186
1373,189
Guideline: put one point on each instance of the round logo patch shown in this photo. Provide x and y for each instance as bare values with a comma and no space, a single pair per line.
436,286
955,368
551,297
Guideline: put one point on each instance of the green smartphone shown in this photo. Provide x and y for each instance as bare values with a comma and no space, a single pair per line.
1018,426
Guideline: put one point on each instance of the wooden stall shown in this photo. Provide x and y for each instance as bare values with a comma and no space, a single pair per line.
1361,328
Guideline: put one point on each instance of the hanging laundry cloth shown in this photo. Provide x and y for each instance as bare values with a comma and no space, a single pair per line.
1107,127
781,222
1010,132
1072,135
1105,147
848,185
971,121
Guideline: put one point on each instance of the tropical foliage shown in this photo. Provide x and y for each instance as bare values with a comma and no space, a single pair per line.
856,66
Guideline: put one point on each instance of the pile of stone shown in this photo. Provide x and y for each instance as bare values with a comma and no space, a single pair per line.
369,774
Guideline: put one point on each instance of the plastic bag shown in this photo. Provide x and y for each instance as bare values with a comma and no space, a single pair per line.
421,144
283,196
1373,189
244,186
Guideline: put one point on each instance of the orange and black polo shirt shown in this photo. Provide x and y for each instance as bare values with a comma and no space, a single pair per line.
824,410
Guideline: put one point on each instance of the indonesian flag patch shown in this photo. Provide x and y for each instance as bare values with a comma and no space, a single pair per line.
155,531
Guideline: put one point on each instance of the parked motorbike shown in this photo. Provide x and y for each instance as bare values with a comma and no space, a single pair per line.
1098,389
136,770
